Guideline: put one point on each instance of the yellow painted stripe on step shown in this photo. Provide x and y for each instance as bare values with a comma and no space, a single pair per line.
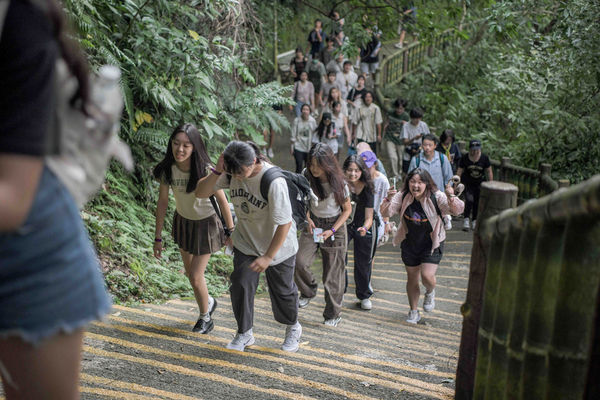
388,341
134,387
393,324
421,329
321,359
191,372
226,364
415,385
323,356
114,394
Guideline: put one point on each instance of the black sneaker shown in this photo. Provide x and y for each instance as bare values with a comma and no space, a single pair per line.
213,307
203,326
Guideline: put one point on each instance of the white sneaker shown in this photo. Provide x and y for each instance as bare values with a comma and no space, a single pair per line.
448,224
333,321
413,317
270,152
241,340
366,304
292,338
429,301
399,45
474,223
466,225
303,301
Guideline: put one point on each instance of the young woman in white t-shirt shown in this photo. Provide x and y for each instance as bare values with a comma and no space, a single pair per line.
329,215
264,240
197,230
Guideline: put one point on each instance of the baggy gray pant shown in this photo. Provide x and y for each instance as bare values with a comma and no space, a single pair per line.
333,253
282,289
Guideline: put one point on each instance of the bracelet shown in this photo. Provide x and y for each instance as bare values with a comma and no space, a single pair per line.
214,171
228,231
333,229
158,240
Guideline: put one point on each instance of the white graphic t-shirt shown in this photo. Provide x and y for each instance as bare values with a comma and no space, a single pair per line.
327,207
187,204
258,218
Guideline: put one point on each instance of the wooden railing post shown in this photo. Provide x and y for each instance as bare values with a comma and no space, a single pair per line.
495,197
564,183
504,174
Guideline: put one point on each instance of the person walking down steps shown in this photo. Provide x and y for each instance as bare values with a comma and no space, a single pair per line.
264,240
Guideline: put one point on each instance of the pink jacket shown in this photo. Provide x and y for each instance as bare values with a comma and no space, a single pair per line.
398,206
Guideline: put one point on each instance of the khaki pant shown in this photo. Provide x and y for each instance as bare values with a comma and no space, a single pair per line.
333,253
395,153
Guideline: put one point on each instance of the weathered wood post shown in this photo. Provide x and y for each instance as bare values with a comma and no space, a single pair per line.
404,62
495,197
564,183
545,170
504,175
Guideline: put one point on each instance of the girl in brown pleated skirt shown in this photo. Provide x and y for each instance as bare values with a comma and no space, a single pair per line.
197,229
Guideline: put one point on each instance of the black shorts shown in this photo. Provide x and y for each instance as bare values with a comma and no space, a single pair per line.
414,260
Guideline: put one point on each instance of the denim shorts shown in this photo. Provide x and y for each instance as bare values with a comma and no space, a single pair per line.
50,280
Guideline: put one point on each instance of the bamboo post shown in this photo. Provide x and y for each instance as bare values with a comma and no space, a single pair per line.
531,225
502,283
504,163
545,169
404,62
275,40
564,183
575,311
542,303
495,196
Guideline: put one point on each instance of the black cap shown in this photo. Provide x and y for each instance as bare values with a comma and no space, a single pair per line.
327,115
474,144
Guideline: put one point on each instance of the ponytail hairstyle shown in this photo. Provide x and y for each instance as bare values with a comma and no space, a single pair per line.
365,174
239,154
199,158
327,161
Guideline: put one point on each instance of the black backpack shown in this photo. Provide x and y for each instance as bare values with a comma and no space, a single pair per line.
298,189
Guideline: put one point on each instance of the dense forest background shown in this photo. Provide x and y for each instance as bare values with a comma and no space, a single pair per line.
524,78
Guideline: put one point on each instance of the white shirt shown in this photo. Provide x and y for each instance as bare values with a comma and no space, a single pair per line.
409,131
259,218
346,81
366,120
303,133
327,207
187,204
381,187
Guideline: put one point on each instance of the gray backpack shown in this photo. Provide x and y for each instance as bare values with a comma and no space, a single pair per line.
84,144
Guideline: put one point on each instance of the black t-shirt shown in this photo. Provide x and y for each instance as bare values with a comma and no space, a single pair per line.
298,67
363,200
418,236
473,172
355,93
28,53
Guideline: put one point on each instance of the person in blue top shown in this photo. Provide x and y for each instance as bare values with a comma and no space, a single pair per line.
436,163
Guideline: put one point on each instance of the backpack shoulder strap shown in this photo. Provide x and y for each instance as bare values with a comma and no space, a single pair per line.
3,10
418,160
435,204
213,200
265,182
441,159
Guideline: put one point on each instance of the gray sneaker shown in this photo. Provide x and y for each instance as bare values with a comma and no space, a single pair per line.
429,301
413,317
333,321
292,338
241,340
303,301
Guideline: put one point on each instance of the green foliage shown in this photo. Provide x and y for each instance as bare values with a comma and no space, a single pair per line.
526,84
180,61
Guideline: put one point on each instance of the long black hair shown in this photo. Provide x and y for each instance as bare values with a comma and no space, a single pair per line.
199,158
240,154
365,175
326,160
325,130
